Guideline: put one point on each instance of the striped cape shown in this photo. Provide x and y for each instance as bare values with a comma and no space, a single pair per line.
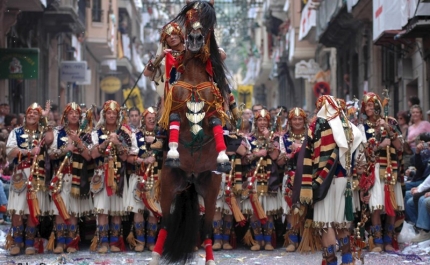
320,155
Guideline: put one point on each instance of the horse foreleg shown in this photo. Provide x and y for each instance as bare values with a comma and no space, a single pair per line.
223,163
172,159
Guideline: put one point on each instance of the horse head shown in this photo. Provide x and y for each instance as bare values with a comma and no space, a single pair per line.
199,19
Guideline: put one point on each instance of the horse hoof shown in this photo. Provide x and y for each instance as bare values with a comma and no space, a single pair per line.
172,163
210,262
224,167
155,259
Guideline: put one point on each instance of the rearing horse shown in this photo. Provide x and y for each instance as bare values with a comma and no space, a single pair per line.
194,116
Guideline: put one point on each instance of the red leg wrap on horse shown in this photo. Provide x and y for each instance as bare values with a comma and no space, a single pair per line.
208,248
174,131
159,245
219,138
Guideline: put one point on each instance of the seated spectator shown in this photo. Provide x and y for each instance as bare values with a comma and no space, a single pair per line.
420,161
416,205
417,212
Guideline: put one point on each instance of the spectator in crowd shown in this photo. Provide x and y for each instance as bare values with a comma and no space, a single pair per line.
420,160
403,120
428,115
21,118
413,100
273,112
256,108
418,126
284,116
247,114
417,199
55,114
134,119
4,110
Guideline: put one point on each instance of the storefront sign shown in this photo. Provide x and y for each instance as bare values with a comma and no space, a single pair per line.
19,63
134,99
307,20
73,71
110,84
306,70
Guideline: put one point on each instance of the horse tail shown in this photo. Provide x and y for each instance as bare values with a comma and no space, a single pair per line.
182,227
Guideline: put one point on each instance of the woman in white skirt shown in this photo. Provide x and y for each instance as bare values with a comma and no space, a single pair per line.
264,149
112,140
23,146
144,175
71,141
382,136
326,177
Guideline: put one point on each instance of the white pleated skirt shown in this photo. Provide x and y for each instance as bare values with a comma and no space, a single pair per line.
133,204
75,206
377,194
104,204
271,203
17,202
332,208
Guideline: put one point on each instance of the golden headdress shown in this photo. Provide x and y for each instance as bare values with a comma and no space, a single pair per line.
297,112
149,110
371,97
34,106
111,105
263,113
171,29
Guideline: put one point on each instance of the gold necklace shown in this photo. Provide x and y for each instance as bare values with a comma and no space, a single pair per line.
177,53
30,132
298,136
68,130
105,133
371,124
148,133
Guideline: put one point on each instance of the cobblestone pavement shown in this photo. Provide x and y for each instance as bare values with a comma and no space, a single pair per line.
237,256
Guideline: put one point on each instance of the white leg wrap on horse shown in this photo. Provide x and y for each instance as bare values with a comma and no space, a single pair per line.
210,262
173,150
155,259
222,157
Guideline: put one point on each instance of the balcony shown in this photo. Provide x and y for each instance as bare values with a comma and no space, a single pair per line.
65,16
27,5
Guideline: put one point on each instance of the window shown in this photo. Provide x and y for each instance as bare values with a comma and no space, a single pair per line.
97,12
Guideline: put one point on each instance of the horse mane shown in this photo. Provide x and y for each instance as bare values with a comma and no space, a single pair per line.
207,18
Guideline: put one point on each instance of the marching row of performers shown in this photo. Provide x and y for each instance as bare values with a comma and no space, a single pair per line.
89,177
112,170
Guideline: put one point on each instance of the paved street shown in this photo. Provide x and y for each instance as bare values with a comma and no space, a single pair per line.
238,256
